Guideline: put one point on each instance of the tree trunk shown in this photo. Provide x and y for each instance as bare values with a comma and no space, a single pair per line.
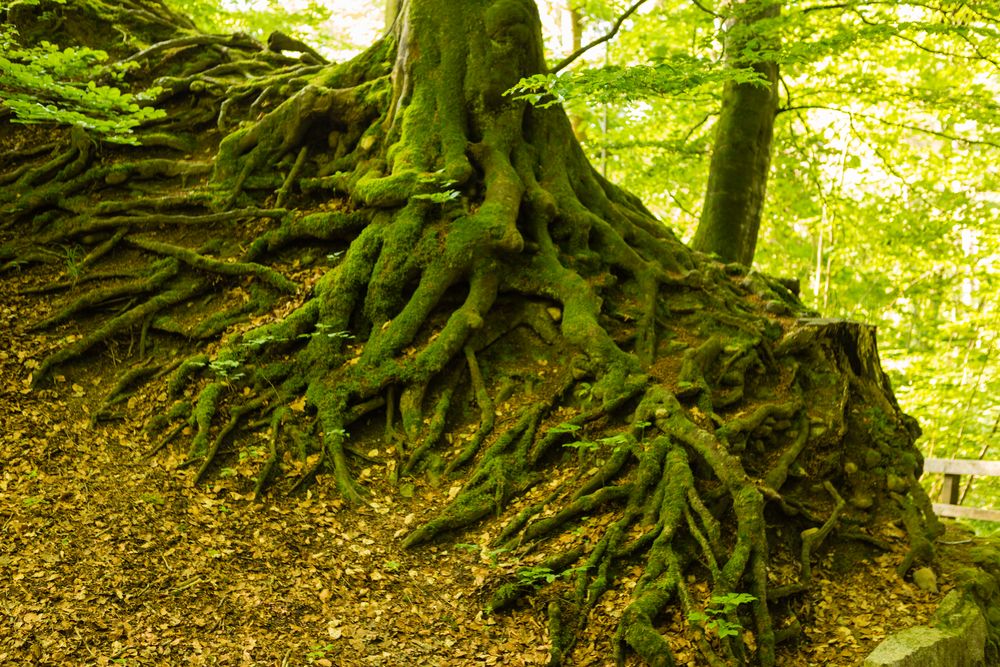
741,156
406,261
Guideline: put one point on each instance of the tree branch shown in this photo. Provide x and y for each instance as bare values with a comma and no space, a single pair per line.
904,126
706,9
600,40
819,8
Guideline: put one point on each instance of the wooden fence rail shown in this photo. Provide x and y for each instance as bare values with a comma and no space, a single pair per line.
953,469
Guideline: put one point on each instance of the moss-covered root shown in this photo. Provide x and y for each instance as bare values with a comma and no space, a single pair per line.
264,477
636,626
124,388
921,547
527,579
332,411
134,317
747,559
811,538
661,579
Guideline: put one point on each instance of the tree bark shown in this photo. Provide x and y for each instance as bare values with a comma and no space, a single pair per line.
741,156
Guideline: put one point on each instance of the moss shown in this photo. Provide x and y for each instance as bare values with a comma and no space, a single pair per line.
987,556
978,582
201,417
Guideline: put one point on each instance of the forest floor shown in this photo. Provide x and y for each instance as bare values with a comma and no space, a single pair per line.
108,557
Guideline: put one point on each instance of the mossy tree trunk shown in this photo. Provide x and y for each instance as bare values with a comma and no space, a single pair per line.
741,153
391,255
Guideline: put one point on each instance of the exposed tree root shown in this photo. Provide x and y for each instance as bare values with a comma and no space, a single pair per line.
477,260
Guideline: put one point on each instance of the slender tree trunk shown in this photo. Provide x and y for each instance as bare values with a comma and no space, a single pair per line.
741,159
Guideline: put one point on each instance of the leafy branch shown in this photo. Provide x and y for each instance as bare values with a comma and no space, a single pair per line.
670,76
600,40
46,84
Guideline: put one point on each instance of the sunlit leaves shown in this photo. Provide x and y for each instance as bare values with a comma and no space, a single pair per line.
616,84
46,84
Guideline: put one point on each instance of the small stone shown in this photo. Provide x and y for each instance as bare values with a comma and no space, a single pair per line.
872,457
554,313
925,579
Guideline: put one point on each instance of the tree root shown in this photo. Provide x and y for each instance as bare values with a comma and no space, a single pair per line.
193,259
482,278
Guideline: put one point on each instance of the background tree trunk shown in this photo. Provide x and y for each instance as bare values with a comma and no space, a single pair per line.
741,156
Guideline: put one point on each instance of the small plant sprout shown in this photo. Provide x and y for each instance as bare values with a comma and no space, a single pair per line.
582,445
715,619
494,555
318,652
324,330
535,576
616,442
261,339
225,368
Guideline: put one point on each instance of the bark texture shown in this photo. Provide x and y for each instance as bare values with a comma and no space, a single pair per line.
741,154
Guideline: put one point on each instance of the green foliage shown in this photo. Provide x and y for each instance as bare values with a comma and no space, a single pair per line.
883,194
46,84
318,652
582,445
536,576
440,197
614,84
319,24
225,368
255,18
717,619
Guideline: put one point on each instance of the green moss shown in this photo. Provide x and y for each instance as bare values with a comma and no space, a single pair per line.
201,417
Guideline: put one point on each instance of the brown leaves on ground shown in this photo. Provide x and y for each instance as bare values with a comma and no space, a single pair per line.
110,559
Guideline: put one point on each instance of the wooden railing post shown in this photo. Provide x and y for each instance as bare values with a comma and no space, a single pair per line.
953,471
950,489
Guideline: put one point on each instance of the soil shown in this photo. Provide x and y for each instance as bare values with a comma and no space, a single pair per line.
109,556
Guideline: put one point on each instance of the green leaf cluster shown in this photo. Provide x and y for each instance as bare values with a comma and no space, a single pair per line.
717,618
47,84
676,75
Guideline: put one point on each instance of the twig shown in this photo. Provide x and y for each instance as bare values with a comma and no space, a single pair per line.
600,40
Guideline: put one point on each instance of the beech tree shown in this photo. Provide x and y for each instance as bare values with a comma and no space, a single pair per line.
394,252
741,153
